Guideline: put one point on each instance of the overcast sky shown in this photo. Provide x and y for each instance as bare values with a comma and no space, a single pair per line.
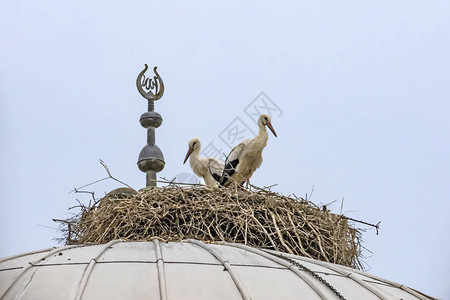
358,91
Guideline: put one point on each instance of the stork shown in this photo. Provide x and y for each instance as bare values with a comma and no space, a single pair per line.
246,157
210,169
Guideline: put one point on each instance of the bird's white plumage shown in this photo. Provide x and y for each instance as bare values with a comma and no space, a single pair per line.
206,168
246,157
236,152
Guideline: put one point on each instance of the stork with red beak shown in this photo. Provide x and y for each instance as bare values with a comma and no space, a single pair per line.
210,169
246,157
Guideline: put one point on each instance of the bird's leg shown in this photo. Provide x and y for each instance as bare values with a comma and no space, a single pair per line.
247,183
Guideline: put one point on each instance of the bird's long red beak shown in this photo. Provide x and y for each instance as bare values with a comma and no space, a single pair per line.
271,129
190,150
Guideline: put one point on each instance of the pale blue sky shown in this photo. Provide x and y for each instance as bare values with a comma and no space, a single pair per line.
363,88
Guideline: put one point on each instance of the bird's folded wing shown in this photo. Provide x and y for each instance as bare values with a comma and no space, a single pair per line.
216,168
232,161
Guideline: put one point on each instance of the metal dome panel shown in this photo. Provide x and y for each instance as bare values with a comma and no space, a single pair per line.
185,270
199,281
275,283
184,252
123,280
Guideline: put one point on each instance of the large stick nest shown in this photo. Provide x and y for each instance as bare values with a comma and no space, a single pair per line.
258,218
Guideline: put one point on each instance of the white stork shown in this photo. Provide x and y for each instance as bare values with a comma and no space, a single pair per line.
246,157
210,169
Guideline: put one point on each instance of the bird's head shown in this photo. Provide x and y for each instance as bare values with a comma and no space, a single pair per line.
264,120
193,145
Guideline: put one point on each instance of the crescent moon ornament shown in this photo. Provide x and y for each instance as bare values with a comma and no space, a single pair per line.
150,88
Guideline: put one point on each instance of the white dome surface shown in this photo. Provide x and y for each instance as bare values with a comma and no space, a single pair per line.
184,270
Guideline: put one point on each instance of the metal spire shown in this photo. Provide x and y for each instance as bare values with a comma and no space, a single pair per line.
151,159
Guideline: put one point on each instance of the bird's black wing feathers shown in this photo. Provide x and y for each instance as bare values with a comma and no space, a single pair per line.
215,169
217,177
229,170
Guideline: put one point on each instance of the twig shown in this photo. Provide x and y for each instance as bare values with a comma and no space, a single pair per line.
109,173
85,192
325,206
270,186
310,195
62,221
377,226
97,181
280,236
172,182
48,227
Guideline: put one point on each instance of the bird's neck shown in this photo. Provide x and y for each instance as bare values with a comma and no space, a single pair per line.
197,163
262,137
194,157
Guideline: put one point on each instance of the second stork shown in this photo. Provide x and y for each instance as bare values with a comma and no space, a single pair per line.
210,169
246,157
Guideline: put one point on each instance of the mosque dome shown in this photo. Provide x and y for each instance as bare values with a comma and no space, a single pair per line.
185,270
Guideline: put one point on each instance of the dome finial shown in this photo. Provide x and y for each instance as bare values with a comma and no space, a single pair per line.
151,159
